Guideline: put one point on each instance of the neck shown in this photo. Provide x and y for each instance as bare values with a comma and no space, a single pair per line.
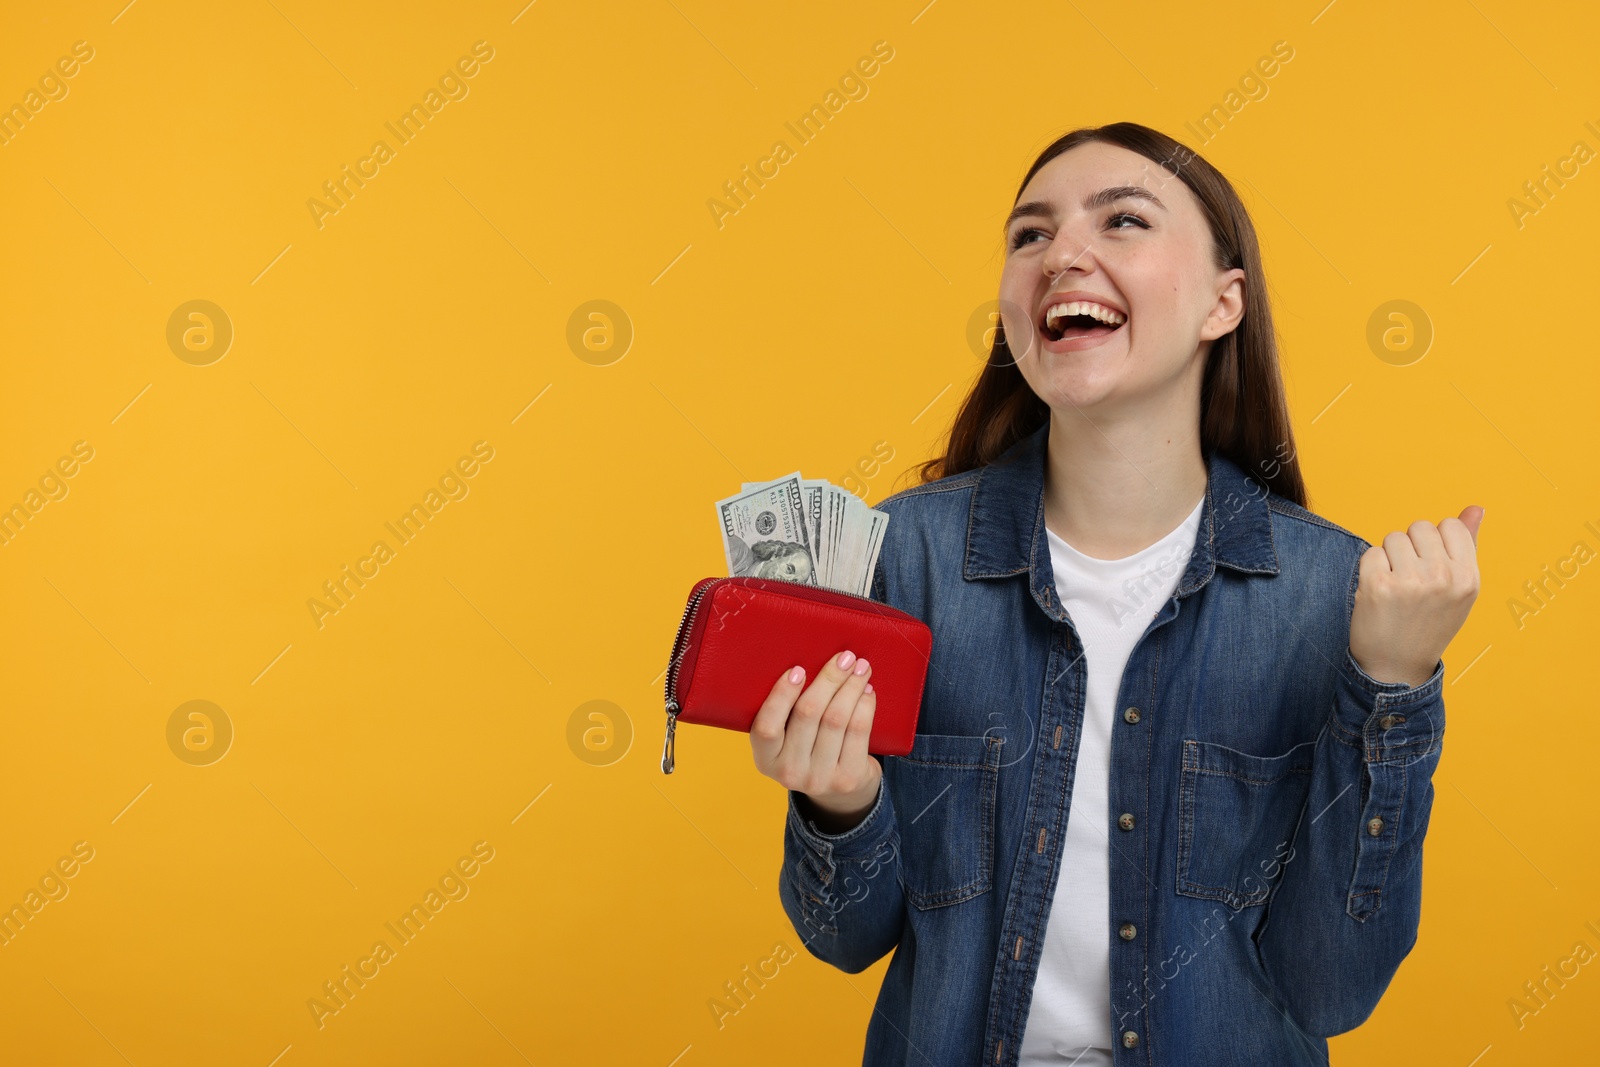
1116,486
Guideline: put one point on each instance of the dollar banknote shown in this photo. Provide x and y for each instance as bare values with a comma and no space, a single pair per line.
802,530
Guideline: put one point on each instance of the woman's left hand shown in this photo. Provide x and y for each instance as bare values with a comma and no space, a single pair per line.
1413,595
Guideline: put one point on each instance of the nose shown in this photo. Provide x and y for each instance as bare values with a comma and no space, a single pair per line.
1068,252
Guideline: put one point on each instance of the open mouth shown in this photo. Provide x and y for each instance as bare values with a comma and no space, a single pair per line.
1080,318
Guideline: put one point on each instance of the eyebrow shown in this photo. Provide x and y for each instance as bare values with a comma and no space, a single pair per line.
1104,198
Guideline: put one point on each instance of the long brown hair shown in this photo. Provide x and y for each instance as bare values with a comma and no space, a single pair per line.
1243,411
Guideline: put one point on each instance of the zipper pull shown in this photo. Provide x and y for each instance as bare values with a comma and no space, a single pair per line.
669,747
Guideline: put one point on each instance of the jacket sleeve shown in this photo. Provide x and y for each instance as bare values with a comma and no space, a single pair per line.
842,891
1347,909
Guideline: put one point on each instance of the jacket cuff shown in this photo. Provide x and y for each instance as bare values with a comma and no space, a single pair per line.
1388,720
857,843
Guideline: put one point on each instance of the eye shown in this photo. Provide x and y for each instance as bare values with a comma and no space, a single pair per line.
1025,236
1127,215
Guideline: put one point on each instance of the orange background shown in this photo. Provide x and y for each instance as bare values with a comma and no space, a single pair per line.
447,702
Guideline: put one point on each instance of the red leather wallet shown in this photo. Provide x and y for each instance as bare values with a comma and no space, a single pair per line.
739,634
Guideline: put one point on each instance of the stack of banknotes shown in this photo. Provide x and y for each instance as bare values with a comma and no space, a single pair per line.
802,530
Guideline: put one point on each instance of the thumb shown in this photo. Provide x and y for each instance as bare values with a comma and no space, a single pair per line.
1472,517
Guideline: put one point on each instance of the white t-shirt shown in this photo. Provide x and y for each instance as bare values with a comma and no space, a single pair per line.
1111,603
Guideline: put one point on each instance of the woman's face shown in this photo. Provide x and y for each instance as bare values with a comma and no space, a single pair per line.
1105,221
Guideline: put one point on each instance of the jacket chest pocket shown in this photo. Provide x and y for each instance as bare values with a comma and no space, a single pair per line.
944,797
1237,819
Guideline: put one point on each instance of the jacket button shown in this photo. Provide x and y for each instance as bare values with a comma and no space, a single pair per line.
1131,715
1127,931
1375,827
1130,1039
1125,821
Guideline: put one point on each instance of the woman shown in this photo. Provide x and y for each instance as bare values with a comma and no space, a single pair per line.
1173,765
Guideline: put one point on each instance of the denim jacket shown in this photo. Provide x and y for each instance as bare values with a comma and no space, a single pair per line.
1268,798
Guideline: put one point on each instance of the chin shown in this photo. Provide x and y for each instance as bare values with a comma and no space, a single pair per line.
1072,393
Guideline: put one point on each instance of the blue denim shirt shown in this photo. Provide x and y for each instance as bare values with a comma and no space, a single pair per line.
1268,798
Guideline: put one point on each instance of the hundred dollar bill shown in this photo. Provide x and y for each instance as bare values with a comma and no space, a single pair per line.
843,534
765,534
860,554
880,522
812,491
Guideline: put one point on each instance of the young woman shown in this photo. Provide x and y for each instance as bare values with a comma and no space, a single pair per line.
1173,765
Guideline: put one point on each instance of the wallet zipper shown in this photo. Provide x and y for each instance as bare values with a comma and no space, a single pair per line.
669,746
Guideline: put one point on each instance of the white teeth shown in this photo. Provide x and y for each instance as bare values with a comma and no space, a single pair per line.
1099,312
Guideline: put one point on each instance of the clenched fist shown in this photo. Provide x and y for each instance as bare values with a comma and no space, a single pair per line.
1413,595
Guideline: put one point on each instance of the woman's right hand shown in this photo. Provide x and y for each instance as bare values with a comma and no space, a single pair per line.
813,739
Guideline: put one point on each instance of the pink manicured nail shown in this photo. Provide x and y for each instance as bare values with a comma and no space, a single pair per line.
845,659
868,688
862,666
797,675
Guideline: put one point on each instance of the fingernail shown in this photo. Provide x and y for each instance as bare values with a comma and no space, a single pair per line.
797,675
845,659
862,666
869,688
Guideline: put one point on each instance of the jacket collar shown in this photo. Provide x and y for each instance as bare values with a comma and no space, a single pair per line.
1006,532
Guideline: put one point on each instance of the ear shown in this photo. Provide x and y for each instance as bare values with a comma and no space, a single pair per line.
1230,306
